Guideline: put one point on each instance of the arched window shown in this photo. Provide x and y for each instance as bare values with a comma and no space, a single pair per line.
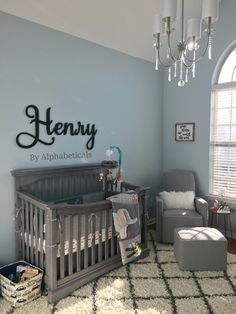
223,128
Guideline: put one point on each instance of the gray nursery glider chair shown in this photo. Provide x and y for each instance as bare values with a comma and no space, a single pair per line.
167,219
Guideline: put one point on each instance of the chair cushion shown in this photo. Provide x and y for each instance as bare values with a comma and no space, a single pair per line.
199,234
177,218
180,213
174,199
178,180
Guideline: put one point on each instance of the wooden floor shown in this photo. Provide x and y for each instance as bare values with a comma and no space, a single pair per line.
232,246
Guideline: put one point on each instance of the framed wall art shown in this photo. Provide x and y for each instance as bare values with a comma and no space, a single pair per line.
185,132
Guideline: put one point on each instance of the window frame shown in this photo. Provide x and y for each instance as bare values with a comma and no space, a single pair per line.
218,86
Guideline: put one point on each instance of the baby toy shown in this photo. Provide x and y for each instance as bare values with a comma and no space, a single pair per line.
113,164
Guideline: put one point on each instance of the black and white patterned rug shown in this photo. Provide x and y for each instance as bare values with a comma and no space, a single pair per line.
152,285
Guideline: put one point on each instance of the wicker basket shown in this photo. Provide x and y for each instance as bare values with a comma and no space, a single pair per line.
20,293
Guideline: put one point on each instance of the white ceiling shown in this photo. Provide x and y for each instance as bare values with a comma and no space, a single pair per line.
124,25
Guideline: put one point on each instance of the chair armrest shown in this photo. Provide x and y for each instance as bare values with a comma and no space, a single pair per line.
159,213
202,209
159,204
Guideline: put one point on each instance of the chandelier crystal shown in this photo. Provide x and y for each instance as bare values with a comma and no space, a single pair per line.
181,59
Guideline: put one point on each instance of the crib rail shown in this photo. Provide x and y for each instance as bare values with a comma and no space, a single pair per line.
86,236
65,240
31,217
57,182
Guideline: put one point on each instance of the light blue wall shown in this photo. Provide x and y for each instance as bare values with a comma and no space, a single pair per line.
81,81
192,104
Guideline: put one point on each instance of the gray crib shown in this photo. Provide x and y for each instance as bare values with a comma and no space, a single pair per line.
64,224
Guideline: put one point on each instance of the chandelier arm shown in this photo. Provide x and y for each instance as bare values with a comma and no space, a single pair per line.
186,65
168,32
179,56
204,51
161,62
182,21
171,54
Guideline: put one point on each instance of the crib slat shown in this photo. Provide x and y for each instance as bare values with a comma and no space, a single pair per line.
69,187
41,237
106,234
23,228
112,232
86,183
117,244
78,239
38,190
62,253
46,189
31,208
51,224
36,232
70,245
60,188
52,188
27,230
65,186
144,218
86,241
93,224
100,237
74,185
81,183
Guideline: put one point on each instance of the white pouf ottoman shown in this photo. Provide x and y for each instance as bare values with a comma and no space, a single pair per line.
200,248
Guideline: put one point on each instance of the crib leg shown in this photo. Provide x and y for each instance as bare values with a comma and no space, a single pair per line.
51,249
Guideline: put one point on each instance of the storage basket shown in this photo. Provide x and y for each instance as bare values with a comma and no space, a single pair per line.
23,292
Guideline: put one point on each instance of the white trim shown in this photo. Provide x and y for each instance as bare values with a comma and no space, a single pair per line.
224,86
219,86
220,63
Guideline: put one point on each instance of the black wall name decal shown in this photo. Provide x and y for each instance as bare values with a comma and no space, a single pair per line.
50,128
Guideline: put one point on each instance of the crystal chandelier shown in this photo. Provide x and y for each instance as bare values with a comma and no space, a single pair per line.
182,59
